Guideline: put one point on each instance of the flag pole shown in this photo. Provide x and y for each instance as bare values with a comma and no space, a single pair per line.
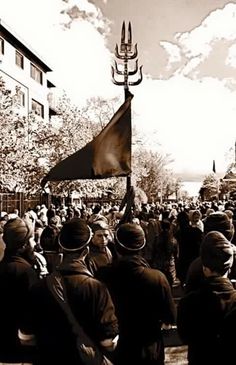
217,182
126,52
235,153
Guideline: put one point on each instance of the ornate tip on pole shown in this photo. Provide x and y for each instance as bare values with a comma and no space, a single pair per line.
123,33
126,52
129,34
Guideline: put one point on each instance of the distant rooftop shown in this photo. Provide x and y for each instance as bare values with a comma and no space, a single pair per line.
16,40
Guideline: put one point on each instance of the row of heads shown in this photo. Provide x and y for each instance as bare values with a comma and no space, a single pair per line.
217,252
74,235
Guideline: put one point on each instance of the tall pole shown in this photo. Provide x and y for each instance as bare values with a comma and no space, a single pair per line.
235,154
126,52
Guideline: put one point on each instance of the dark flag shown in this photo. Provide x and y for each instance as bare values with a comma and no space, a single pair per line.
107,155
214,166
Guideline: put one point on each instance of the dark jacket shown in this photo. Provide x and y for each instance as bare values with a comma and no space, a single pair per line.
195,277
200,319
16,277
189,240
91,304
152,231
143,301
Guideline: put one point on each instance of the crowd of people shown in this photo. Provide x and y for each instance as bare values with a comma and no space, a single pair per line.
119,279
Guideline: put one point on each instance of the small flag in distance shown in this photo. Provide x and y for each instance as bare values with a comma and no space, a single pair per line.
214,166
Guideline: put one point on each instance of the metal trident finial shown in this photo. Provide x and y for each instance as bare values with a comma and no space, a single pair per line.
126,52
129,34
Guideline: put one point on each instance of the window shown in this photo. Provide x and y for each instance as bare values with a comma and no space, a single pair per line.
37,108
1,46
19,59
21,97
36,74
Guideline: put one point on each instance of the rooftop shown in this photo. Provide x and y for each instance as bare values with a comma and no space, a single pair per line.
16,40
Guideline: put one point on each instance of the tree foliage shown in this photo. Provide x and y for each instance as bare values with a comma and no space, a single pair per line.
151,174
24,141
210,187
31,146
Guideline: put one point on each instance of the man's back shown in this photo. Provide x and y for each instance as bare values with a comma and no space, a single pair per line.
200,318
91,304
16,276
143,301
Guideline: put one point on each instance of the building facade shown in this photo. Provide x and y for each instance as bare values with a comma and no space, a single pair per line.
25,74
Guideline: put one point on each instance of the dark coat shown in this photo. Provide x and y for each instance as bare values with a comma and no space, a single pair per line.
152,231
200,319
189,240
16,277
195,277
91,304
143,301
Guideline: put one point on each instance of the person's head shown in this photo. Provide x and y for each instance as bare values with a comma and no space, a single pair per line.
229,213
219,221
101,233
195,216
129,238
18,235
165,225
209,211
136,220
183,219
55,221
77,213
97,209
3,221
75,236
217,254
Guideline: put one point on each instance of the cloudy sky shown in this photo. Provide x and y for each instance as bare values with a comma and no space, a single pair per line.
186,104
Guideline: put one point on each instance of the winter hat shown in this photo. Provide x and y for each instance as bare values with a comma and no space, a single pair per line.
219,221
217,253
130,236
75,235
16,233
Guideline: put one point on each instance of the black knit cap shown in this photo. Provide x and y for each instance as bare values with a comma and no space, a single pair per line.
75,235
130,236
16,233
219,221
217,253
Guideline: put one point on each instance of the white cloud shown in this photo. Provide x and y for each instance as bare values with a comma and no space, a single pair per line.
78,55
220,24
190,66
173,51
197,46
231,59
85,10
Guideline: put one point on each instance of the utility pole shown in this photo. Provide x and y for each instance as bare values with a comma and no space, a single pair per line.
125,53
